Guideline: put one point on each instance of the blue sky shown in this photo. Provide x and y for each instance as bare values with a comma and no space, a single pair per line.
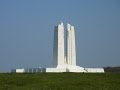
27,27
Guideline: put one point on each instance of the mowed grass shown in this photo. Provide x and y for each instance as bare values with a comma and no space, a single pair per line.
60,81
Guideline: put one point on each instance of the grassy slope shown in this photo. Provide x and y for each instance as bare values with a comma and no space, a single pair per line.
60,81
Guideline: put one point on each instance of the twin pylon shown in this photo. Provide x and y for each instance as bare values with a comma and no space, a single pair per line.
64,54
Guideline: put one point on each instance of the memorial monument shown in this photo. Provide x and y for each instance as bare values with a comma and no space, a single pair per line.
64,53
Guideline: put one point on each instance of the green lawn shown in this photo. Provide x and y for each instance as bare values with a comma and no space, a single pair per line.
60,81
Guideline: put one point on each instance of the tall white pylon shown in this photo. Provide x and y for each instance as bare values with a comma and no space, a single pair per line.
58,48
70,46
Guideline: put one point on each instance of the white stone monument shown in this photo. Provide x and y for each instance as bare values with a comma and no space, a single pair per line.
63,62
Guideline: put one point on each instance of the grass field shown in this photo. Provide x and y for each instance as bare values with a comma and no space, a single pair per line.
60,81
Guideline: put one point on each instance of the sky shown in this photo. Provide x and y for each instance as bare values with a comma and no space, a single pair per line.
27,28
